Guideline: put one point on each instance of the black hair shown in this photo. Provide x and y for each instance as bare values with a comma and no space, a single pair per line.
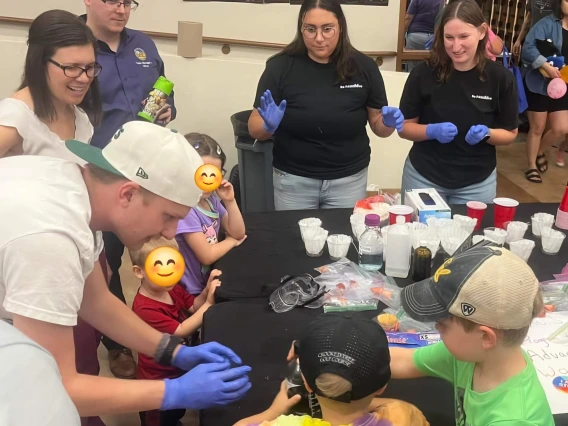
342,56
556,6
50,31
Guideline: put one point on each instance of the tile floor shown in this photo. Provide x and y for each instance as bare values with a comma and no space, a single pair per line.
511,183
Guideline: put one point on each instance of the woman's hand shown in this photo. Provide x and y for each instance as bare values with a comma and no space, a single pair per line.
226,191
271,113
551,70
392,117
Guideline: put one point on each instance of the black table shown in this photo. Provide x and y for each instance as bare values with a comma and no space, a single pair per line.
262,338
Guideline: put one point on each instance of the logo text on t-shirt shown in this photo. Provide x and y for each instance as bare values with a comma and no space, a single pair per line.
351,86
484,97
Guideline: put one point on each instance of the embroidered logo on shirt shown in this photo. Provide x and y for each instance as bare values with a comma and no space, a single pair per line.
485,98
140,54
467,309
141,173
351,86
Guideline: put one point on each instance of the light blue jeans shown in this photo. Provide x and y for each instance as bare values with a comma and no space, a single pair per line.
485,191
293,192
416,41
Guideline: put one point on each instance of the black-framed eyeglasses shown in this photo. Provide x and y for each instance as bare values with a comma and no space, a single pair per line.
312,32
75,71
128,4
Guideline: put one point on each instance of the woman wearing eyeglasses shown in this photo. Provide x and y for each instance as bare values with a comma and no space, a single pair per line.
58,98
315,98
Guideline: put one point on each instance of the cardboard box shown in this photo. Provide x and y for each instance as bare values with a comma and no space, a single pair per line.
435,207
412,340
190,39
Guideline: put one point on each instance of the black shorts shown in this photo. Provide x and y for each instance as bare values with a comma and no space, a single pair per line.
541,103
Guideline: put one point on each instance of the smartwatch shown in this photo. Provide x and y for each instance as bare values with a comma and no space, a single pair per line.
487,136
164,355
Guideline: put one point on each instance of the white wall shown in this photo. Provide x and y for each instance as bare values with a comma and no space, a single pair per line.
371,27
211,88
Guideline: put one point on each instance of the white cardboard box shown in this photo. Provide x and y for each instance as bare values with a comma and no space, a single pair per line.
426,203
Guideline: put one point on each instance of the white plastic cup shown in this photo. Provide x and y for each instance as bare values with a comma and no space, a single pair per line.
338,246
308,226
540,221
497,235
516,231
551,240
522,248
315,242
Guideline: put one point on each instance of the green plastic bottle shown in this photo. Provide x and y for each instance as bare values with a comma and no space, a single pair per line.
157,99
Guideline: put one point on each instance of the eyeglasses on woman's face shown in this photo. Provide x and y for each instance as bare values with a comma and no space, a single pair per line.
311,32
75,71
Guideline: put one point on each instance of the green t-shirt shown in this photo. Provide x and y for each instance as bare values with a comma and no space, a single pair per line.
520,401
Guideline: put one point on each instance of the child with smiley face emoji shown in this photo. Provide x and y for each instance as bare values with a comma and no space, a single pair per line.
166,306
198,233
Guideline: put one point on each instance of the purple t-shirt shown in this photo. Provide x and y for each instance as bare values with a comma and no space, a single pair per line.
199,220
424,12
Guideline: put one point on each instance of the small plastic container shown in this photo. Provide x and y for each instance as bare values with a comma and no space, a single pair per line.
522,248
497,235
315,241
338,246
308,226
540,221
551,240
515,231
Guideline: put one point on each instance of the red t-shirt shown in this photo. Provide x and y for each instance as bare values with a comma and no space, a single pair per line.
165,318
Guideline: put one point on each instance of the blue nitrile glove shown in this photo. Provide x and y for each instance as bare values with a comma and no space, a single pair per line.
392,117
476,134
188,357
442,132
207,385
270,112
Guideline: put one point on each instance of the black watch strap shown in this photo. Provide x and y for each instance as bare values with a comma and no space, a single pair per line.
168,353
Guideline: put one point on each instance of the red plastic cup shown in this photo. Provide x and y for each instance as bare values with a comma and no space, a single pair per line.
505,209
400,210
476,210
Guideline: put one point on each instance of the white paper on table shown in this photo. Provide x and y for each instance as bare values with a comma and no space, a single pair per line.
550,357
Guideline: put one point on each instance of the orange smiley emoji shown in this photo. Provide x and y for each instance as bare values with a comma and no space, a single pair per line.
208,177
164,266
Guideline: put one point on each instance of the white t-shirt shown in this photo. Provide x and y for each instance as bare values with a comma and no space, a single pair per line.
46,246
31,391
37,138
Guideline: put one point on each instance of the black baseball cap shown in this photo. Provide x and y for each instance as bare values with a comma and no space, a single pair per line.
487,285
347,345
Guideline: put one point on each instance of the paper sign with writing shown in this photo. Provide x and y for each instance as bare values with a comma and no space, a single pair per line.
547,345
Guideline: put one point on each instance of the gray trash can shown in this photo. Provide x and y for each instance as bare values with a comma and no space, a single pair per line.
255,167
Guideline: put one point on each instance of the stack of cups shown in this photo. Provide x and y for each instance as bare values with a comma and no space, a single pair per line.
562,214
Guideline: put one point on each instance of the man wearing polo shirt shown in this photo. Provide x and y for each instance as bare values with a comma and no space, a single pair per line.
131,65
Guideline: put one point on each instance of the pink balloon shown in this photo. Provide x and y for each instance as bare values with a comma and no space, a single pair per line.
556,88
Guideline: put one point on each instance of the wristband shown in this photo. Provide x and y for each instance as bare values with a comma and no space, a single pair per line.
166,347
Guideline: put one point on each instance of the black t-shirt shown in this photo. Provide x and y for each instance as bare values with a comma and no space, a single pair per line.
322,134
465,101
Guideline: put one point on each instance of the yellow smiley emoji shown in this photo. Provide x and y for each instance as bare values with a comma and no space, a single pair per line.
164,266
208,178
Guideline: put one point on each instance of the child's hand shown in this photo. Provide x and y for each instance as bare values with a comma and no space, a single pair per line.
211,293
226,191
215,273
282,403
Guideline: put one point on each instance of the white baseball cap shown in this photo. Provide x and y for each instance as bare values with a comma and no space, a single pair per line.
157,158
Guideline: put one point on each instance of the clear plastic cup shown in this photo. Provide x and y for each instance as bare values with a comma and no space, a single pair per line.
338,246
540,221
515,230
497,235
522,248
551,240
315,241
308,226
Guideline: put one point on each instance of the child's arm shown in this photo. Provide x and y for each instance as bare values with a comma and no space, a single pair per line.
200,300
207,253
402,364
232,222
279,407
194,322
